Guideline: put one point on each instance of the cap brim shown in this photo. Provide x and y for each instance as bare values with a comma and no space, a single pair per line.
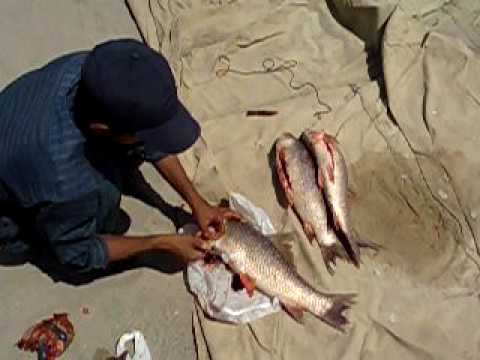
173,137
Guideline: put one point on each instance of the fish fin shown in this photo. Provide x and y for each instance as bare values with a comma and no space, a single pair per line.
320,180
335,316
309,232
283,176
295,312
284,244
248,283
236,283
365,243
331,169
336,222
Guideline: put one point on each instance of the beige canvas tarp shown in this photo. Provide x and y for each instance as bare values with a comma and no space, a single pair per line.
399,86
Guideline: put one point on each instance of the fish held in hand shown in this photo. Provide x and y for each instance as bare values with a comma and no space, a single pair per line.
297,175
261,265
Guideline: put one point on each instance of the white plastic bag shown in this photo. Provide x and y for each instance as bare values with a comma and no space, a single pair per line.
141,351
213,287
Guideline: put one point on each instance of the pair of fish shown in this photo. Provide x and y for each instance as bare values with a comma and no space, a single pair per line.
313,175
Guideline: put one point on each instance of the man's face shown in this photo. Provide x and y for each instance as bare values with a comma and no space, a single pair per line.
101,130
125,139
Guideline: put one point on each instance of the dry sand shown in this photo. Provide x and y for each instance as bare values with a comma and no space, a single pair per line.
154,302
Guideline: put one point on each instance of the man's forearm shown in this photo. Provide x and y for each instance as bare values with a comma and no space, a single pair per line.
124,247
172,170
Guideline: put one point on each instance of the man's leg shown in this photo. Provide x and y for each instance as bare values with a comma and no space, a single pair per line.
111,219
109,165
10,240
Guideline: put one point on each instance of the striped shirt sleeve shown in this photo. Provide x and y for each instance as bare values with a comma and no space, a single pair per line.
70,229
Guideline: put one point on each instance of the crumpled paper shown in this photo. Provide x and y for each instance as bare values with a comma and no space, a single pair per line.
212,287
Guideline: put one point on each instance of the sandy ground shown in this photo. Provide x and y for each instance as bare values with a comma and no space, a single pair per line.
147,299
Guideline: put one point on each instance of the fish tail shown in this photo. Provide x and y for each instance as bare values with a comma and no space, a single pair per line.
332,250
353,251
330,253
334,315
350,246
341,252
358,243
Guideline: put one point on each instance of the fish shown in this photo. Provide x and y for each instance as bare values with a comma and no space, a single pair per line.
332,177
261,265
297,175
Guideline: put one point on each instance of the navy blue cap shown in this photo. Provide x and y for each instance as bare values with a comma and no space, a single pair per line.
133,90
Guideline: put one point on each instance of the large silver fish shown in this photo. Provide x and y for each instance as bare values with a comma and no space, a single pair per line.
333,180
297,175
261,265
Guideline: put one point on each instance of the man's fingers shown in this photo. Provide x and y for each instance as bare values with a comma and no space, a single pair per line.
205,234
215,228
229,214
209,233
232,215
201,244
198,255
220,230
193,256
197,250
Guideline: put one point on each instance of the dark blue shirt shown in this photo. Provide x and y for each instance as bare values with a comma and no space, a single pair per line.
43,166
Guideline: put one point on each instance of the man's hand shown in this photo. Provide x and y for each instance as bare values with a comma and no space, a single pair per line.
187,248
210,219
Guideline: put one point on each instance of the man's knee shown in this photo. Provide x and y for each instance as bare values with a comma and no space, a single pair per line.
9,230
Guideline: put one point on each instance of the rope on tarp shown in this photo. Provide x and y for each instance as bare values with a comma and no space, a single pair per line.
269,66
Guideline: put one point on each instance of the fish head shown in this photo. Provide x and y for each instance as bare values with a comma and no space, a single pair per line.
321,144
219,249
285,146
235,245
319,140
226,244
286,140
